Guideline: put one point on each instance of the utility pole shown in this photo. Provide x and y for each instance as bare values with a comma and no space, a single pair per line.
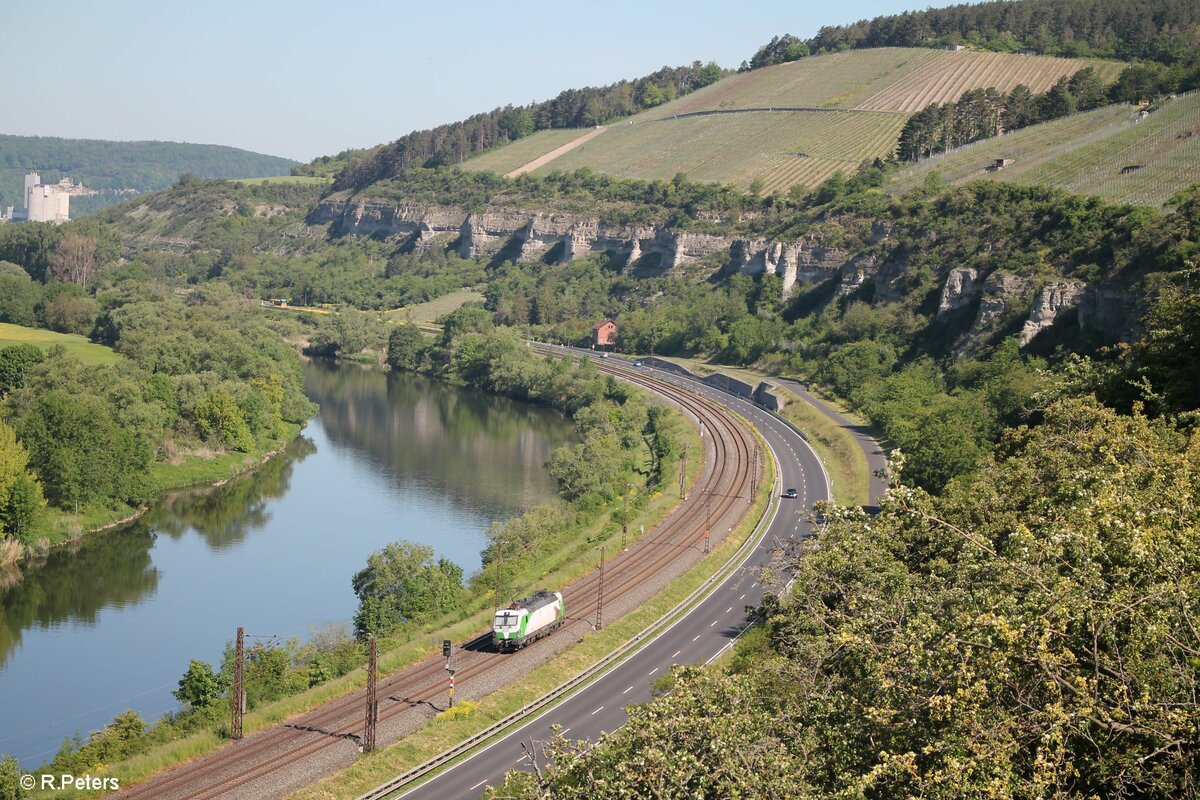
625,517
683,472
708,521
600,594
447,650
754,475
368,743
501,589
238,699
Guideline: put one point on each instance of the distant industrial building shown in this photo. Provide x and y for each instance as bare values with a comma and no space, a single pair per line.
45,203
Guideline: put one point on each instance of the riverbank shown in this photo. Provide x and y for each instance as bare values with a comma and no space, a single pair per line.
215,469
566,563
447,730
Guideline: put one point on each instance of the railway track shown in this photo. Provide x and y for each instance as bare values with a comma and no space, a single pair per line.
269,759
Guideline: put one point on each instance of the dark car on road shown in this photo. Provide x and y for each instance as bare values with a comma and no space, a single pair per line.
790,493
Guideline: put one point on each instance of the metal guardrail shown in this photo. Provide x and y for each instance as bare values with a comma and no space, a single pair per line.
640,640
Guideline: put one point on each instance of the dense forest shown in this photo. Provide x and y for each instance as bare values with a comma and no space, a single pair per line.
573,108
120,170
1154,30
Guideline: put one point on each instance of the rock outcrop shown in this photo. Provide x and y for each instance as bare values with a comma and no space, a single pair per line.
1053,299
369,219
795,263
960,289
1000,294
645,250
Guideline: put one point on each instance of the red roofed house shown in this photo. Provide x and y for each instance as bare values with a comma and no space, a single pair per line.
604,333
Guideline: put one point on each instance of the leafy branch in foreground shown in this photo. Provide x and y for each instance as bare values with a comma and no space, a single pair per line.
1033,632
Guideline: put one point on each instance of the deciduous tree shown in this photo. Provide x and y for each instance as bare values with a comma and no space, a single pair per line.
403,583
74,260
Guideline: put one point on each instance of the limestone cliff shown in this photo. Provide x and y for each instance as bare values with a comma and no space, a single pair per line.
523,235
1053,299
643,250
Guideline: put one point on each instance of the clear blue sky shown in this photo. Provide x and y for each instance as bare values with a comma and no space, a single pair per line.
300,78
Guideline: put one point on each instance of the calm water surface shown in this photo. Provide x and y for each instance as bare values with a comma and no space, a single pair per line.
112,625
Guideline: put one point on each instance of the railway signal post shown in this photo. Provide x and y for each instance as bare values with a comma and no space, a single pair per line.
447,650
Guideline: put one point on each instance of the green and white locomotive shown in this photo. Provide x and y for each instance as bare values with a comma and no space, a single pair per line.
528,620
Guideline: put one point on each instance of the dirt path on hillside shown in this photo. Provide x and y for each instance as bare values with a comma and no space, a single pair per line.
542,161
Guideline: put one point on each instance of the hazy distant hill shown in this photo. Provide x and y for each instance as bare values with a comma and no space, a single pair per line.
120,170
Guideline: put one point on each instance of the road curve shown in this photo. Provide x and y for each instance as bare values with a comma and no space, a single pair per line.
699,636
876,458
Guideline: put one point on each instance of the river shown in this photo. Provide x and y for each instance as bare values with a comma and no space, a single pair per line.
111,623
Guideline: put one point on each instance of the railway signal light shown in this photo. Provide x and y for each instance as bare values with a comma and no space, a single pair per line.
446,645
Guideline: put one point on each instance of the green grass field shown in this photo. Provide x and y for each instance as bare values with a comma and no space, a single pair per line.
77,346
870,92
1087,153
424,313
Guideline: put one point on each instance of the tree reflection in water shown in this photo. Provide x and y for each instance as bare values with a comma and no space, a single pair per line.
75,582
482,452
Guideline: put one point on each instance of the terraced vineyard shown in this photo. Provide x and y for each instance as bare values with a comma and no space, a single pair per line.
844,108
938,80
1105,152
904,79
781,148
827,81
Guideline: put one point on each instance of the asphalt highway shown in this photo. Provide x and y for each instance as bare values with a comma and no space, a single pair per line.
698,637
